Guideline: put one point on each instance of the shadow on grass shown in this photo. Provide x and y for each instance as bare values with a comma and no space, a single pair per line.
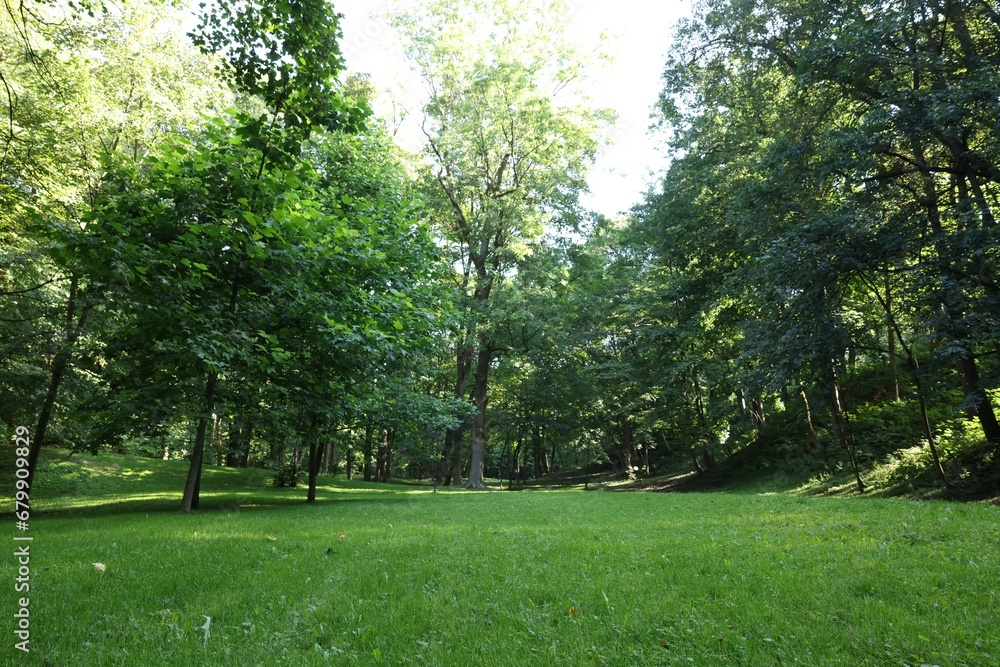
109,484
215,502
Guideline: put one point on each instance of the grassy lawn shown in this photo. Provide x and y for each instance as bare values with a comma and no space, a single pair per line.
529,578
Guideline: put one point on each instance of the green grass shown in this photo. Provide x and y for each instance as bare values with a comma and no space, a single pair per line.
528,578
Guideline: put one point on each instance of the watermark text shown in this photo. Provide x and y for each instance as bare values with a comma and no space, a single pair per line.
22,546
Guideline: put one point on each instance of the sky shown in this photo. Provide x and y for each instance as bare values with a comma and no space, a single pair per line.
640,33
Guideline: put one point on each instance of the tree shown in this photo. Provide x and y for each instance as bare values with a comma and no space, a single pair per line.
508,143
816,158
79,89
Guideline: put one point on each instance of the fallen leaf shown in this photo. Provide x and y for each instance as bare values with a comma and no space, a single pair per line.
572,611
100,567
341,537
272,538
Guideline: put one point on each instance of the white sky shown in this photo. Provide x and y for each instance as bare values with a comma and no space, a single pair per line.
641,32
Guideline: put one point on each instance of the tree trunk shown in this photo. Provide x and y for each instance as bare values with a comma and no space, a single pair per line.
293,473
382,458
976,395
196,502
233,450
313,469
891,336
954,303
453,437
628,449
192,486
661,441
59,366
516,462
366,451
247,437
757,413
216,440
837,418
809,419
915,366
35,447
479,422
457,451
442,476
315,456
695,461
350,463
741,401
522,466
538,450
389,447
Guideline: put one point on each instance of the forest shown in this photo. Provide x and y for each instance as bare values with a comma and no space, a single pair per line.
213,251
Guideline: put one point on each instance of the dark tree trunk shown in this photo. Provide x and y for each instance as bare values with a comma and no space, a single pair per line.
523,466
503,458
196,502
233,450
389,447
453,437
315,457
809,419
382,458
313,470
329,452
661,441
366,451
839,424
516,462
293,473
695,461
35,446
442,476
891,336
976,395
245,456
73,328
538,449
478,455
628,449
954,299
757,413
192,486
457,452
216,439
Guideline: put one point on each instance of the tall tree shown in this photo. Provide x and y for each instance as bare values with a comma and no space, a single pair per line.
508,144
80,89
